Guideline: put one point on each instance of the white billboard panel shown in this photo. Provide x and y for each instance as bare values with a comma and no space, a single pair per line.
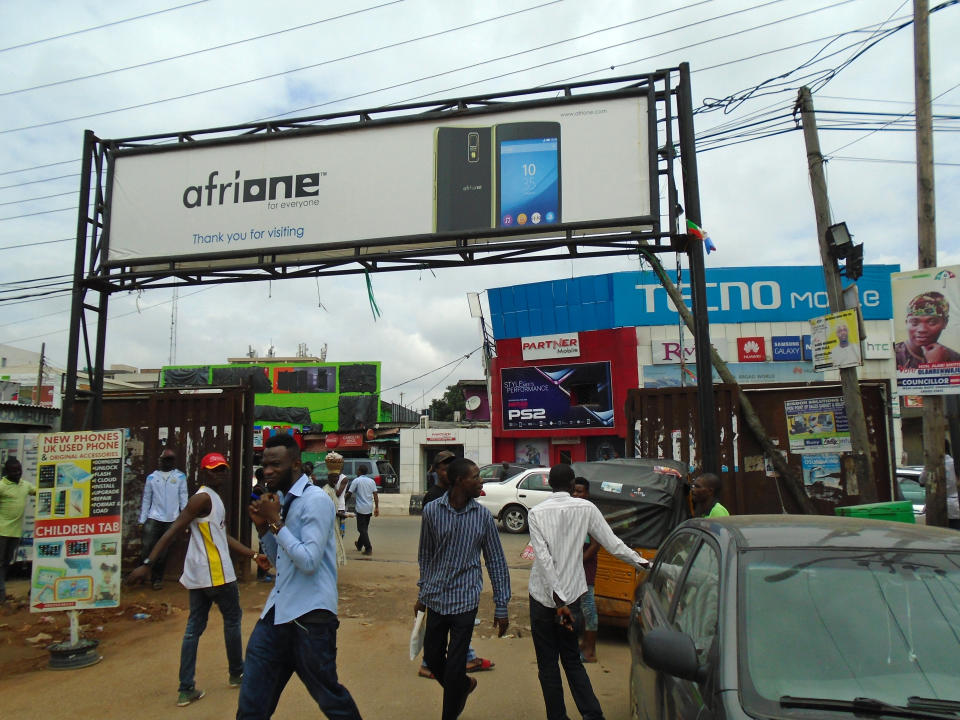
544,168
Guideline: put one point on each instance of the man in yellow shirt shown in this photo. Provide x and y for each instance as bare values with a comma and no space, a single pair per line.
13,499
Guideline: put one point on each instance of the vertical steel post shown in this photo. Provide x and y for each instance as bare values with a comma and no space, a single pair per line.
709,440
67,419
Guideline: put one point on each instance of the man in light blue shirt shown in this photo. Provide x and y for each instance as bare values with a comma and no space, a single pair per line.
367,501
297,631
164,498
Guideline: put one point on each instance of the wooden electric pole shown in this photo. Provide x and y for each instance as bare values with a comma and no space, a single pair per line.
38,390
934,426
861,481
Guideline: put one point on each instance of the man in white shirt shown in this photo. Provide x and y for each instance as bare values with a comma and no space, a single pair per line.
557,581
367,502
844,353
164,496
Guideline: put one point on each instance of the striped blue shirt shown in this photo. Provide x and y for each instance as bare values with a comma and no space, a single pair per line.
451,542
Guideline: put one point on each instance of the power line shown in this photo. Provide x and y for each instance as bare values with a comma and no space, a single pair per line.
100,27
239,83
196,52
33,244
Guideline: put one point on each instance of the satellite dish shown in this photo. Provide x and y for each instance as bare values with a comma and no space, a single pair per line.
472,402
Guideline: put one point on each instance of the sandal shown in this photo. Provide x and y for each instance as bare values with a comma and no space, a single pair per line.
479,664
425,673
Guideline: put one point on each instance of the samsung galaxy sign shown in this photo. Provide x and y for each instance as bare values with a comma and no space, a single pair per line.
748,294
550,346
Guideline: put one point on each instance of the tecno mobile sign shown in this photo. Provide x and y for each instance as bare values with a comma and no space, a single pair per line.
532,169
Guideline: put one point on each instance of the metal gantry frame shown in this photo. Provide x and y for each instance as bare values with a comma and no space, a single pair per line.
670,139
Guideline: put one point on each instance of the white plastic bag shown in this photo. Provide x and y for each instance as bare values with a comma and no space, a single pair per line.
416,636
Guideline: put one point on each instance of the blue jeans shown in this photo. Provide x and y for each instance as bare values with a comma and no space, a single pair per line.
588,605
275,652
227,598
553,642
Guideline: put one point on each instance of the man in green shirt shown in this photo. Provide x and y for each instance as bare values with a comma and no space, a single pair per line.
13,499
704,492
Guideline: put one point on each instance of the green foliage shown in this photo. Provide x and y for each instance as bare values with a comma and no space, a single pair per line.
442,408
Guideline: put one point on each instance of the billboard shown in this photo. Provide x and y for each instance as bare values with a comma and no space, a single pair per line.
554,397
536,168
926,345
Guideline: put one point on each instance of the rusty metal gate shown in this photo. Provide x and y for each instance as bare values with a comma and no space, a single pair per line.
193,424
666,424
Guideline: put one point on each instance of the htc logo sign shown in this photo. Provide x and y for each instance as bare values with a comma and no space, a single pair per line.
527,414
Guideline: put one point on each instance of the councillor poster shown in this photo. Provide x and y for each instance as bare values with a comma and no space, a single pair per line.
926,342
77,533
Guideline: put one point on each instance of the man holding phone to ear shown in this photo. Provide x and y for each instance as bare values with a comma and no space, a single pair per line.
557,582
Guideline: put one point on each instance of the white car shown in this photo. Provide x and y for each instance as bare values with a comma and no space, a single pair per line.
509,500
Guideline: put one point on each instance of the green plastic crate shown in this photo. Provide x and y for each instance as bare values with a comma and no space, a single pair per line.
898,511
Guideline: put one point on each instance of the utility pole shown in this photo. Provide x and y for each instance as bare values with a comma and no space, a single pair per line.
37,396
934,426
864,484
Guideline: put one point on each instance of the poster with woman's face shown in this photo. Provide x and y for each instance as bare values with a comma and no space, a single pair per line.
926,307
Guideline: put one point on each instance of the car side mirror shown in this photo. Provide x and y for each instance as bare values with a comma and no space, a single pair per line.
672,652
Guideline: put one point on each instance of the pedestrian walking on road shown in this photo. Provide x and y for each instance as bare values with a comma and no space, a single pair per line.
557,582
441,462
297,630
207,573
367,504
14,491
164,497
455,532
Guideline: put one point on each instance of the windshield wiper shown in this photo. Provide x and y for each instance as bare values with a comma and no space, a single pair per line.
870,706
915,701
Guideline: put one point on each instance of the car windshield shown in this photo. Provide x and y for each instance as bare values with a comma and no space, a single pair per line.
844,624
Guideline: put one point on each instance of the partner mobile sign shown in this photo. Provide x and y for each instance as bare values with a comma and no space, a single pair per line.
534,169
553,397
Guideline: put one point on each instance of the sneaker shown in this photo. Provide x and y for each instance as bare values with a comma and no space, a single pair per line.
157,585
368,551
188,696
268,578
236,680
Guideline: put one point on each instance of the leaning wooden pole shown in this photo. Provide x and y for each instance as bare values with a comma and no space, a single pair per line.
793,479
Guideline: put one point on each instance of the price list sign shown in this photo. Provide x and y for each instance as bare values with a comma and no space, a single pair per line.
77,537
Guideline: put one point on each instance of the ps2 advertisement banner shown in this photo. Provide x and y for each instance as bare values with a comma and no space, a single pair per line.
926,343
548,167
77,530
553,397
818,425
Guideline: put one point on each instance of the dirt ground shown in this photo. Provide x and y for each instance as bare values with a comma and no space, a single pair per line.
137,677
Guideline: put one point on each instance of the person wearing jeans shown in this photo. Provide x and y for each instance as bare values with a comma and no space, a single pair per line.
207,573
297,631
558,526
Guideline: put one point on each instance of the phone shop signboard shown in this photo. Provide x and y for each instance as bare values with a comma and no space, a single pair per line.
579,163
553,397
76,535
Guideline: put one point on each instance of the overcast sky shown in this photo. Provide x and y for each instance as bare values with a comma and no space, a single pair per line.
755,195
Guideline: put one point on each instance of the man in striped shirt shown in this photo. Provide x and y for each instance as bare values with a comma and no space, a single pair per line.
455,530
557,528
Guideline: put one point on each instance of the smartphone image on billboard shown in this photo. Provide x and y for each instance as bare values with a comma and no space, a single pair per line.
463,179
528,174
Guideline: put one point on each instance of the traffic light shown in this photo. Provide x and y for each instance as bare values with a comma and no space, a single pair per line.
853,268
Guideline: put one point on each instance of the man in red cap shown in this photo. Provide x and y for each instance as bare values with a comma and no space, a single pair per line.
207,573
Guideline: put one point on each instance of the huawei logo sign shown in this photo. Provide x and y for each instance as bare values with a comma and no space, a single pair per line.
751,347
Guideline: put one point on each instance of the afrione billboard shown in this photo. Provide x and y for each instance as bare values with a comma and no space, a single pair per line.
536,169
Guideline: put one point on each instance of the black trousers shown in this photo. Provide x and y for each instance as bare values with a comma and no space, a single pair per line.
552,643
363,525
445,643
153,530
